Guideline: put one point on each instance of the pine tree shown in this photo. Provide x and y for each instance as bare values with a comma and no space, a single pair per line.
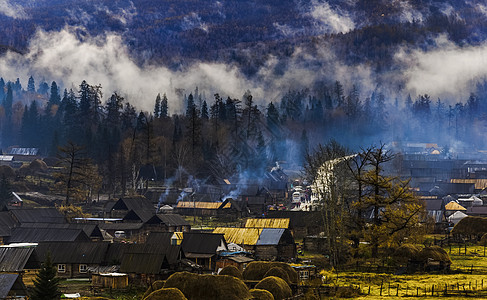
157,107
164,108
46,284
31,86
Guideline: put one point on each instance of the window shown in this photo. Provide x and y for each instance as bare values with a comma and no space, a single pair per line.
83,268
304,274
61,268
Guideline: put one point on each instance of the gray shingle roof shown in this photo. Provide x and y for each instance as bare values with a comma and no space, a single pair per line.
7,282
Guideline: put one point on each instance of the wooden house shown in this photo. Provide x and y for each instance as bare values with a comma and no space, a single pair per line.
201,248
123,205
18,259
150,262
301,223
91,230
168,223
74,259
265,243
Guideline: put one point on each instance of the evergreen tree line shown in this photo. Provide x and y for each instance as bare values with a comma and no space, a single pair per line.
219,137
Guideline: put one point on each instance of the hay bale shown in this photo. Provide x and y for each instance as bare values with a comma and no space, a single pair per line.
256,270
261,294
276,286
405,252
278,272
231,271
471,226
435,253
94,298
208,287
156,285
166,294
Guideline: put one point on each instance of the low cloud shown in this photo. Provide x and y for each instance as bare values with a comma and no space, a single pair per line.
12,10
329,19
448,71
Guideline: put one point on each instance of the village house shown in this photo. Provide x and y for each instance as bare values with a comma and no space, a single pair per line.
74,259
146,263
264,243
36,235
201,248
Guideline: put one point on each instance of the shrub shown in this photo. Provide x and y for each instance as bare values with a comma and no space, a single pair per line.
208,287
278,272
261,294
166,294
231,271
256,270
276,286
156,285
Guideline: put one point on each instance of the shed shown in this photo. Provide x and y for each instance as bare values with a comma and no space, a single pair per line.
275,243
110,280
11,286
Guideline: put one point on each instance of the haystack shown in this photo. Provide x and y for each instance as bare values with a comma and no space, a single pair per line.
231,271
261,294
256,270
208,287
278,272
276,286
166,294
476,226
405,252
434,253
156,285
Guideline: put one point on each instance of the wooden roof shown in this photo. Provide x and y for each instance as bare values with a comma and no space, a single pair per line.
202,205
246,236
267,223
480,183
454,206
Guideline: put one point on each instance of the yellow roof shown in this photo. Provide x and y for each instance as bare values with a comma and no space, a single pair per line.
202,205
245,236
480,184
454,206
267,223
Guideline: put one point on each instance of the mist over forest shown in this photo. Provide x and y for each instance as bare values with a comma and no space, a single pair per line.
234,86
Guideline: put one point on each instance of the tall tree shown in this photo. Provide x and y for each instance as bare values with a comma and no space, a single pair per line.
46,284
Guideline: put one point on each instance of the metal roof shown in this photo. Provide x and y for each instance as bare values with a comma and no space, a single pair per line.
202,243
270,236
38,215
74,252
172,220
7,282
148,258
267,223
23,151
14,259
121,226
91,230
133,204
33,235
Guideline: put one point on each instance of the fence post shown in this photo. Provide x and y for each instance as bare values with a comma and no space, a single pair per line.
432,290
380,293
397,290
446,289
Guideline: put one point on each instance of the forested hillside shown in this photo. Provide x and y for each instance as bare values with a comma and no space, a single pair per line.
214,88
